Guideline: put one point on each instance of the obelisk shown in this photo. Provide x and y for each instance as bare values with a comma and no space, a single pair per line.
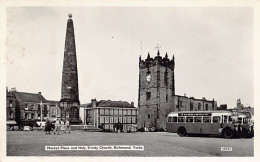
69,102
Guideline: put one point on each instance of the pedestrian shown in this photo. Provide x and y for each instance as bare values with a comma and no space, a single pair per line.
67,125
62,126
48,126
57,126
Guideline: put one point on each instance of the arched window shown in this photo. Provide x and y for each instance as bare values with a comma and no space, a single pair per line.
207,106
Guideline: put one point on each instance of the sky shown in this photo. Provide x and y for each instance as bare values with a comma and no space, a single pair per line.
212,46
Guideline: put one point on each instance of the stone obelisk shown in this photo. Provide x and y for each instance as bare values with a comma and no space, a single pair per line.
69,102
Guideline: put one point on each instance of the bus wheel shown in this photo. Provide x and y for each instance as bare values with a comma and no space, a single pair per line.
228,133
181,131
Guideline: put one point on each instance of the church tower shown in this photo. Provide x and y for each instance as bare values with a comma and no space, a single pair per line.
69,89
156,90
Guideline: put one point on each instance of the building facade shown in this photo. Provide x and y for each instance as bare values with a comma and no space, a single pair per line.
107,114
27,108
156,94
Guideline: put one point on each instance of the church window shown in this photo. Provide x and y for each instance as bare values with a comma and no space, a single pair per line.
191,106
199,106
166,77
148,95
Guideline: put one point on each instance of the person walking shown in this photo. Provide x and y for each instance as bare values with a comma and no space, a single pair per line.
67,125
48,126
57,126
62,126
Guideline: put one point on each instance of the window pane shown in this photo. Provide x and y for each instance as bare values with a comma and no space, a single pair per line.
129,112
216,119
124,119
206,120
115,119
181,119
198,119
189,119
101,111
111,112
101,120
133,112
120,120
174,119
115,111
107,119
124,112
120,111
129,119
133,120
106,111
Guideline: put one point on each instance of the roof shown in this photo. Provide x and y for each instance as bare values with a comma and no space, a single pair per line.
109,103
51,102
30,97
216,111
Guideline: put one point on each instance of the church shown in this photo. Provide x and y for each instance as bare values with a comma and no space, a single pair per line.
156,93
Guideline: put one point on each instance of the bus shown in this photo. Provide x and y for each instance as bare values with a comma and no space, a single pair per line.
222,123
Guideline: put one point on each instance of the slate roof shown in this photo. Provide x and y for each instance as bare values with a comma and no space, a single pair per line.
51,102
30,97
109,103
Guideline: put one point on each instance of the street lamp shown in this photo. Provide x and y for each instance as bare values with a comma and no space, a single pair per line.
41,112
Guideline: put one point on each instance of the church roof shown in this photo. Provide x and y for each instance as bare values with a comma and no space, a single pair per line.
30,97
109,103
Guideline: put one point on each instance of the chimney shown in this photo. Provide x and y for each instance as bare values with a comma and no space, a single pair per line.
40,93
13,89
94,102
132,104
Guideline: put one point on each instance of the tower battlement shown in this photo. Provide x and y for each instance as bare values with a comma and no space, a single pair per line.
157,60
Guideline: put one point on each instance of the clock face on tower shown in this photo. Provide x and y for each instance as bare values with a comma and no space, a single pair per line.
148,78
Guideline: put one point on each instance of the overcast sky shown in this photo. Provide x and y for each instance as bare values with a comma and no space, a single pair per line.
213,49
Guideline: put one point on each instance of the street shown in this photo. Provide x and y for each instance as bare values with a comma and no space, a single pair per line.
23,143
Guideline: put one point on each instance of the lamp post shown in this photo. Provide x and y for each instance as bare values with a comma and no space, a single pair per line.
41,112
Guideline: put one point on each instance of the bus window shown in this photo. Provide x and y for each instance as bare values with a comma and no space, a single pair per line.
189,119
206,119
180,119
245,120
174,119
225,119
198,119
169,119
230,119
239,120
216,119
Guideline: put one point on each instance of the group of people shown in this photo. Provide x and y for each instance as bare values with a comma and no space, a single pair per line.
59,127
